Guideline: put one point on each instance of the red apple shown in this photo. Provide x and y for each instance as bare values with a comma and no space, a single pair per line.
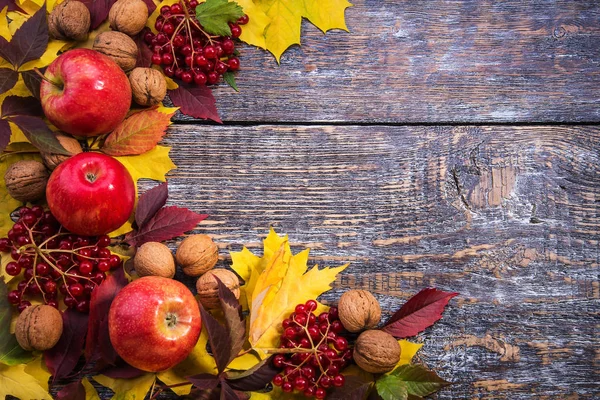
91,194
90,94
154,323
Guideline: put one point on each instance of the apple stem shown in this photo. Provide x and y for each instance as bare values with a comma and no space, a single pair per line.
58,85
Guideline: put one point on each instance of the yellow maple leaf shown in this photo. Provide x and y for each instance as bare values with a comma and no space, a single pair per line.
37,368
4,31
286,16
18,90
16,382
90,390
198,362
254,31
128,389
407,351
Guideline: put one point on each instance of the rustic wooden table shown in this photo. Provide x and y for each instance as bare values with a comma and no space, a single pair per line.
452,144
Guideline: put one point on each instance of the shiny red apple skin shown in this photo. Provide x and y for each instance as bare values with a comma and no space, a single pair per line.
95,96
91,194
154,323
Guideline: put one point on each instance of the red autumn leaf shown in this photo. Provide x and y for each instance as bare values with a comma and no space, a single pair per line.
355,388
418,313
150,202
98,10
38,133
204,381
72,391
8,79
197,102
63,357
234,320
11,4
219,339
167,223
33,81
29,41
122,370
144,56
15,105
151,6
138,134
4,134
254,379
98,347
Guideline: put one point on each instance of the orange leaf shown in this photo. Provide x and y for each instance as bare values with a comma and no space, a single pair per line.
139,133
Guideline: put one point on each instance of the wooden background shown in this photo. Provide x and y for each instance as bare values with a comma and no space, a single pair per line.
452,144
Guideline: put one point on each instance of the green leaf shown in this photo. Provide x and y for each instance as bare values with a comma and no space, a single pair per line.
419,381
390,387
214,15
10,351
229,77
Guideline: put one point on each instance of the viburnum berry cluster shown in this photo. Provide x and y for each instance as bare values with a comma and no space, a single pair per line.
314,352
52,260
186,51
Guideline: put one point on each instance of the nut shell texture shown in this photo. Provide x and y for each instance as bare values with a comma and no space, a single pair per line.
358,310
69,20
128,16
154,258
208,287
70,144
148,86
119,47
26,180
197,254
376,351
39,327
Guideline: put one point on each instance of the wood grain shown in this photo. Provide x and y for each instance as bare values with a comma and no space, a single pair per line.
507,216
431,61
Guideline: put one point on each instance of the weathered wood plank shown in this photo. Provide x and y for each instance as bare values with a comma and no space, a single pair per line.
431,61
507,216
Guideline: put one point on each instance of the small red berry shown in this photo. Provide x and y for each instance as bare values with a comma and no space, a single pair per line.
243,20
234,65
236,31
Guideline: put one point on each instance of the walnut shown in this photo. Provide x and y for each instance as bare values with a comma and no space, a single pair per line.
208,287
69,20
69,143
119,47
376,351
148,86
26,180
197,254
358,310
128,16
154,258
39,327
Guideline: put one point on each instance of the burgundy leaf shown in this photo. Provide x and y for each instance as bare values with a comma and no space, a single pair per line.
98,347
227,393
12,6
144,56
254,379
33,81
418,313
15,105
167,223
354,388
196,101
4,134
151,6
122,370
29,41
150,202
98,11
72,391
204,381
63,357
38,133
8,79
232,311
219,339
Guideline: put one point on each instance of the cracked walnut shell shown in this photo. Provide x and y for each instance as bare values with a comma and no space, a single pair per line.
39,327
358,310
148,86
376,351
69,20
128,16
70,144
197,254
208,287
119,47
26,180
154,258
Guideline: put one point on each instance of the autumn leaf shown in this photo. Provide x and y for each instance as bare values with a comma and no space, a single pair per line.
138,133
8,79
234,320
5,133
196,101
150,202
33,81
408,350
38,133
229,78
98,11
204,381
128,389
418,380
355,388
11,4
10,351
63,357
72,391
15,105
29,41
255,378
219,338
253,32
167,223
418,313
390,387
122,370
214,16
144,56
16,382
